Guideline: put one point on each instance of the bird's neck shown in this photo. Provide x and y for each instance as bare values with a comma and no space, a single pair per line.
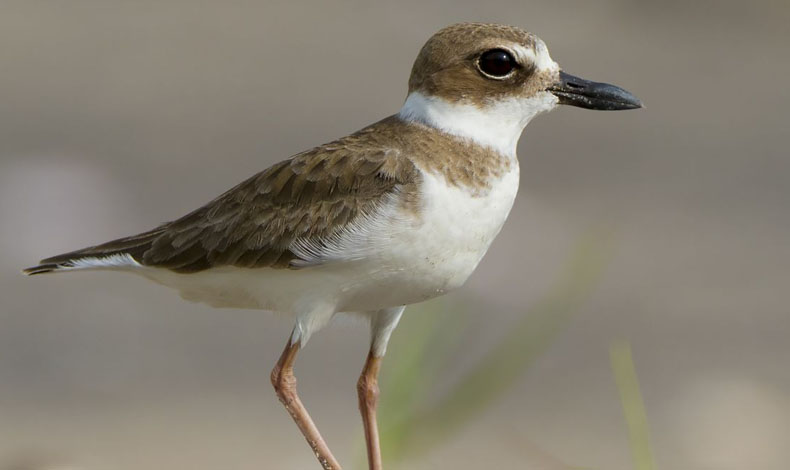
497,125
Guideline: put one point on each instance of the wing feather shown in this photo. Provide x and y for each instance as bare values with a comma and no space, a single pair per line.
284,217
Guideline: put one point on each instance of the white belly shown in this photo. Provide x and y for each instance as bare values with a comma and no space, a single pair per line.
413,258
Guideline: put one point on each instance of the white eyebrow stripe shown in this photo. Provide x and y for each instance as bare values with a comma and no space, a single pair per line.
538,56
524,55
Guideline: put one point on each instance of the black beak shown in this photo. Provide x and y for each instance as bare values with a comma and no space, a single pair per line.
576,91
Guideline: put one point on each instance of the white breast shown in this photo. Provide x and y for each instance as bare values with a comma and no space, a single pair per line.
456,228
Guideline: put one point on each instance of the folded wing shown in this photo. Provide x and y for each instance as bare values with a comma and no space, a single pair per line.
287,216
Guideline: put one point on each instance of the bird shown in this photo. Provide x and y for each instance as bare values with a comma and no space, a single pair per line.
396,213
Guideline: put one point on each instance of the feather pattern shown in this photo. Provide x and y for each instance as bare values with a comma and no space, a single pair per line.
317,206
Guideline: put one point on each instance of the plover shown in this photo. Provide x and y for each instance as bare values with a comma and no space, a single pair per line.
396,213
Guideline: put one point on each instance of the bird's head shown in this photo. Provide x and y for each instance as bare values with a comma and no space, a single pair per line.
493,79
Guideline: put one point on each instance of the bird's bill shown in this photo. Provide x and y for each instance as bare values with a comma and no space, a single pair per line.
583,93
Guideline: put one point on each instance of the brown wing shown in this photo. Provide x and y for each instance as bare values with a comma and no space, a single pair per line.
308,196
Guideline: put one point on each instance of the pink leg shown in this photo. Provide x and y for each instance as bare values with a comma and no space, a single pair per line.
368,391
285,385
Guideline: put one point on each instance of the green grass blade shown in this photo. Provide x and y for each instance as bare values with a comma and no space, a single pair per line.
633,406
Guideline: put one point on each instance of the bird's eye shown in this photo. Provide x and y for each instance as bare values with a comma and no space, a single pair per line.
497,63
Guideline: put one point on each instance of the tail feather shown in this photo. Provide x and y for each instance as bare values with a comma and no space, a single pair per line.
40,269
127,251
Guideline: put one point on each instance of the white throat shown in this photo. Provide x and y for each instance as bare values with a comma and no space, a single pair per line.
497,125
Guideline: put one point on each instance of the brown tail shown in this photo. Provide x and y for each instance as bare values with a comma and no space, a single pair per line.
128,248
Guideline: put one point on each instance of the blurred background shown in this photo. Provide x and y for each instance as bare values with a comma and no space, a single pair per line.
116,116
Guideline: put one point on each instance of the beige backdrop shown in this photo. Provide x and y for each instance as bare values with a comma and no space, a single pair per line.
115,116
